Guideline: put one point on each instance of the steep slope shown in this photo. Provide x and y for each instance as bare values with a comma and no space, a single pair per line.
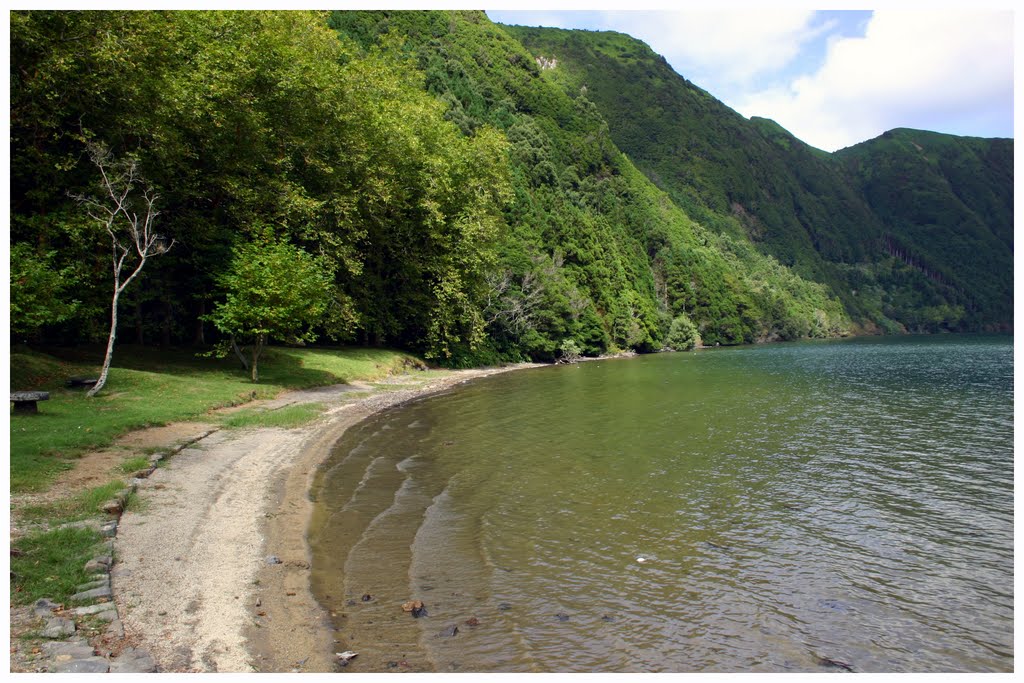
595,253
947,205
806,207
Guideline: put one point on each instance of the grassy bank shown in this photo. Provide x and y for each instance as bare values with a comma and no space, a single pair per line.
149,387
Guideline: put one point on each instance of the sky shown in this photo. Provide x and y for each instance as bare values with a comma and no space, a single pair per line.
832,78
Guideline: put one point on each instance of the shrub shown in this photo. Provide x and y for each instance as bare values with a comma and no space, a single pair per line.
682,335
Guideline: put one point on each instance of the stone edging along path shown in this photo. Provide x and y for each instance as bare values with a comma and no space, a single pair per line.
67,651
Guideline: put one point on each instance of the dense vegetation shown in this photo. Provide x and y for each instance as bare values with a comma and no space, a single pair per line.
457,197
913,231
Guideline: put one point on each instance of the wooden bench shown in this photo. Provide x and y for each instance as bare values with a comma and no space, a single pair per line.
25,401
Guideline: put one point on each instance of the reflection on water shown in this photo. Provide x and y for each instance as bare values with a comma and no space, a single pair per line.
799,507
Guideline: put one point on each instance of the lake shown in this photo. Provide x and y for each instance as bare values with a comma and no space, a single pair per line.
811,506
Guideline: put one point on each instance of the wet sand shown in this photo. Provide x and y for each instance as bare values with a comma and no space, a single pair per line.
194,577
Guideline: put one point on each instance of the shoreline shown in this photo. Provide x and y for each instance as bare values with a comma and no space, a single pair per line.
213,565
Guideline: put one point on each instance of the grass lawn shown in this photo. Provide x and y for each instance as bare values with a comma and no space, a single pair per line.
148,387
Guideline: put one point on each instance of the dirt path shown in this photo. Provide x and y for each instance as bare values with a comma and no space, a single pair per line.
193,577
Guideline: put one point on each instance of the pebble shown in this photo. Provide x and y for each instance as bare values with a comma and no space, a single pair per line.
273,559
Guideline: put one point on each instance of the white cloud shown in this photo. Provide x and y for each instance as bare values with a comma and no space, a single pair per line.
940,69
727,47
735,46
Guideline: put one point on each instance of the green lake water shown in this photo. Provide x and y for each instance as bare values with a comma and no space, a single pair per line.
796,506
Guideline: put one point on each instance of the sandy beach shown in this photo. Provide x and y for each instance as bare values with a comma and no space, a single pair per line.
212,565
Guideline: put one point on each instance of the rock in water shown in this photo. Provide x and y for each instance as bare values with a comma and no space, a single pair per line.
448,632
417,608
347,655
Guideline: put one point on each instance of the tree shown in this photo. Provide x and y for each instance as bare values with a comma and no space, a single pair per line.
39,291
272,289
683,335
131,236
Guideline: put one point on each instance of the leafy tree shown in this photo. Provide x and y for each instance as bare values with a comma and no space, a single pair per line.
272,289
682,335
40,294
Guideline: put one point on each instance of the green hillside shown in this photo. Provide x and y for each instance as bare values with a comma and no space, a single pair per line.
947,205
831,217
467,191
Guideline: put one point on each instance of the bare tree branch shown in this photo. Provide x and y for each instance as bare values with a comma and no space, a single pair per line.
115,212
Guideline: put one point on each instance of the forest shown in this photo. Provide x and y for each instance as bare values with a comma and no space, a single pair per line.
471,192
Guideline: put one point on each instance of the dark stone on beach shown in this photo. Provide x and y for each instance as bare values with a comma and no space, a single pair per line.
448,632
392,665
472,621
607,617
419,612
367,597
273,559
504,606
562,617
350,603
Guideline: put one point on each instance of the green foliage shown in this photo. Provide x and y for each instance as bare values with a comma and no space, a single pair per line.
272,289
569,351
470,199
944,203
40,295
682,335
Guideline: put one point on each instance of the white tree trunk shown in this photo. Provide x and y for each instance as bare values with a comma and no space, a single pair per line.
110,347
